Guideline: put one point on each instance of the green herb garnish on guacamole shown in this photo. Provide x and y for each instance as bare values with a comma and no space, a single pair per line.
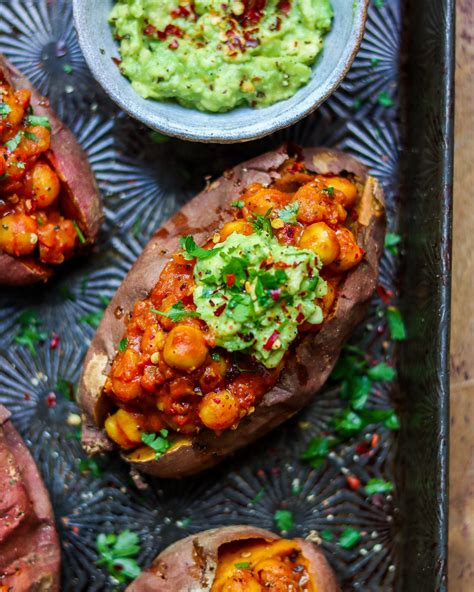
214,56
254,293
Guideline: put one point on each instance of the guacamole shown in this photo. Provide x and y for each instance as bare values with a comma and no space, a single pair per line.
215,56
253,293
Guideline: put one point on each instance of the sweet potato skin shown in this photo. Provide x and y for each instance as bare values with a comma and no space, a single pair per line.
70,163
189,565
312,361
29,545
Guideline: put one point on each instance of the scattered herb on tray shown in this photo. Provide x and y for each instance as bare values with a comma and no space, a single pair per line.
116,552
157,442
284,520
30,332
378,486
349,538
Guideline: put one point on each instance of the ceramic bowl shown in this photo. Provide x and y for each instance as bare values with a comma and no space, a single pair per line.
241,124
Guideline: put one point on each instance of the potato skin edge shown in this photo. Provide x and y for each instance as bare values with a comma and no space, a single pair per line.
190,563
312,361
71,163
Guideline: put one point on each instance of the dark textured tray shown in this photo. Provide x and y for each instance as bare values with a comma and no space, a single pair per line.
408,147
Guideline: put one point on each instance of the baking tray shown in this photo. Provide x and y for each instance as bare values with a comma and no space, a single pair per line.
394,111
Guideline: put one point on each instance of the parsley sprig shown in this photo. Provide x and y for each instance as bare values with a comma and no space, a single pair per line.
117,553
192,251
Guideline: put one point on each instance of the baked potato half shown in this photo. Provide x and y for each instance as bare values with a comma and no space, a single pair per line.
238,559
29,545
50,206
234,315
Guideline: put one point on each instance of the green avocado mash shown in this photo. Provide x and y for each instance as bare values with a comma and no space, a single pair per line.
215,56
253,293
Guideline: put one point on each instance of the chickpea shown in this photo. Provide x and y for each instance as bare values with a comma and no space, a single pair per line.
185,348
350,253
263,200
315,205
275,574
242,581
153,340
131,424
213,375
238,226
18,234
219,410
42,185
57,241
345,191
38,141
115,433
322,240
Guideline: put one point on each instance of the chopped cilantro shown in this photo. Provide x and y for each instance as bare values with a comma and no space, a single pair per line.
65,388
329,190
79,232
385,99
30,332
4,110
32,137
263,223
379,3
176,313
242,565
216,356
123,344
94,318
326,535
356,104
89,465
67,68
158,138
158,443
19,164
289,213
137,226
392,240
257,498
378,486
396,324
12,144
381,372
392,422
317,450
349,538
193,251
116,552
374,62
284,520
238,204
39,120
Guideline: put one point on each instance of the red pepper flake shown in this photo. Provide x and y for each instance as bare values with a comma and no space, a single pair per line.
75,529
375,440
216,400
353,482
271,340
300,318
230,279
362,448
53,344
220,310
150,30
26,397
275,294
284,6
51,399
174,44
181,11
173,30
117,61
385,294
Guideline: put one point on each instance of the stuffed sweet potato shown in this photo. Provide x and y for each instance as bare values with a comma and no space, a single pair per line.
49,202
29,545
234,315
238,559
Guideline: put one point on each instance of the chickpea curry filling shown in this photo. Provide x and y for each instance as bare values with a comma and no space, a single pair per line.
257,565
32,220
215,332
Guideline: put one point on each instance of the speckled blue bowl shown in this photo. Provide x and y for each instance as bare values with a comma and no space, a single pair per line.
239,125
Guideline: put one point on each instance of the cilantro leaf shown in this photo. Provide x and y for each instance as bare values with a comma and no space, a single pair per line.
30,332
239,203
123,344
349,538
289,213
39,120
284,520
79,232
329,190
89,465
116,552
396,324
385,99
381,372
378,486
242,565
392,240
263,223
157,442
176,313
326,535
65,388
317,450
193,251
12,144
4,110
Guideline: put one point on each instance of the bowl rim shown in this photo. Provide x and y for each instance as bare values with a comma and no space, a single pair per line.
215,134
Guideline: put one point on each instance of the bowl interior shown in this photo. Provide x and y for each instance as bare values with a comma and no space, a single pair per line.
244,123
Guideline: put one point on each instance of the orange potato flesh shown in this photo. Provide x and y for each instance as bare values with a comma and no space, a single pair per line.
262,565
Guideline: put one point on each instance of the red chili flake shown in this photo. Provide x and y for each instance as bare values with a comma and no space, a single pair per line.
275,294
117,61
284,6
174,44
26,397
353,482
385,294
75,529
260,473
180,11
300,318
271,340
53,344
375,440
216,400
362,448
150,30
220,310
296,167
51,399
174,30
230,279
